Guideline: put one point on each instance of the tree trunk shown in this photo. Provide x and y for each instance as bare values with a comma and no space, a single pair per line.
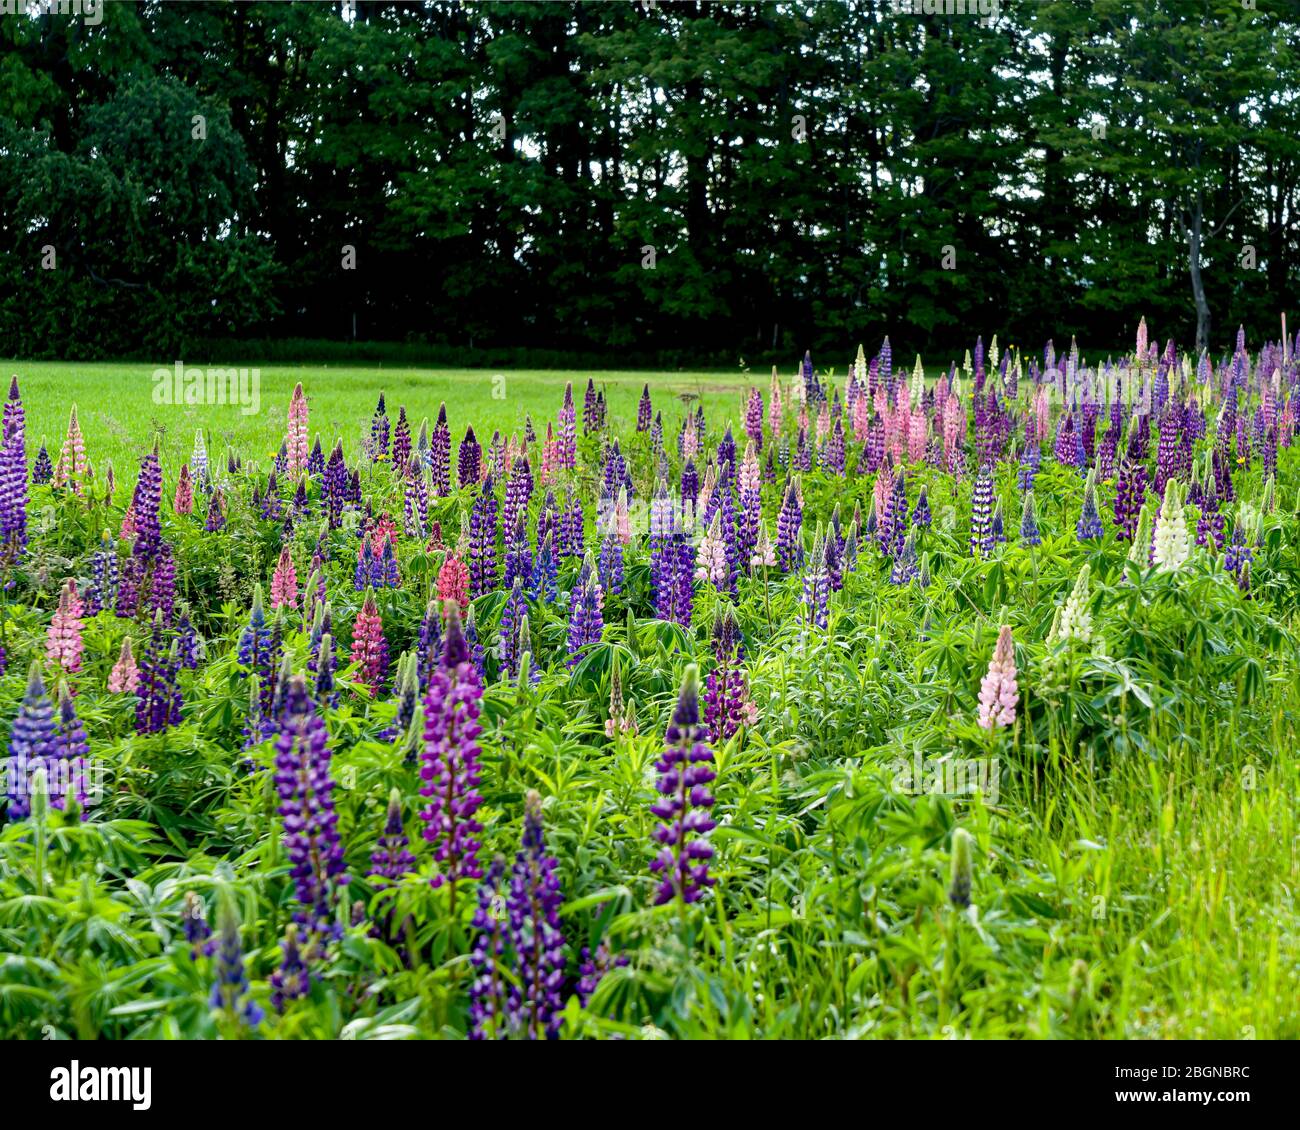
1193,234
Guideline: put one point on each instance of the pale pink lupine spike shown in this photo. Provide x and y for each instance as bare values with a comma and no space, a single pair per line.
999,691
125,676
296,437
284,582
63,644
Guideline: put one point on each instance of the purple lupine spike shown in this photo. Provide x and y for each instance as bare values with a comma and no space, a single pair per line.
566,444
483,541
311,838
13,475
817,585
595,965
921,517
573,524
415,500
546,568
487,992
519,556
644,410
158,703
893,528
685,772
145,503
315,461
611,564
469,459
590,415
754,419
1029,533
401,439
981,519
513,613
440,454
334,486
727,705
42,469
690,485
789,531
519,490
1088,527
586,619
389,862
379,431
904,568
533,909
450,761
230,988
33,744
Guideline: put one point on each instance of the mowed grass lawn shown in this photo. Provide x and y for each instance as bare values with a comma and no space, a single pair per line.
119,416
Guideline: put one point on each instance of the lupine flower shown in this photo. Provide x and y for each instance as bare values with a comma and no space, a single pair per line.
789,531
711,555
483,542
124,678
685,772
284,583
644,410
401,439
304,786
595,965
292,980
1076,616
216,517
754,419
450,761
42,469
513,613
727,705
230,993
389,862
1088,527
453,581
533,909
981,515
63,645
959,888
32,744
487,992
586,620
257,650
13,475
296,439
1238,556
191,646
379,431
1171,547
194,922
611,564
904,568
1029,534
183,500
817,585
369,647
999,692
158,701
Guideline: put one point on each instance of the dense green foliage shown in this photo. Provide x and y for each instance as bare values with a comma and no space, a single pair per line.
807,173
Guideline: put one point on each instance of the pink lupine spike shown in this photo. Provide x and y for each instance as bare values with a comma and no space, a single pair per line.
999,692
183,502
284,582
125,676
295,447
63,644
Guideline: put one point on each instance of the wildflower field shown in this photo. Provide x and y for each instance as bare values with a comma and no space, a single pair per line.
866,701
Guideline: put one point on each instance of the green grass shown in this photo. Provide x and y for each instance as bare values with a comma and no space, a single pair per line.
119,418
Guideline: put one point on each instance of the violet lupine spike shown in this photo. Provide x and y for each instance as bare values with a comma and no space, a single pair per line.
483,541
13,475
685,771
586,619
727,704
158,702
513,613
921,514
230,991
817,585
644,410
519,556
904,568
893,530
440,454
789,531
32,744
567,441
42,469
401,439
450,761
379,431
594,967
533,908
292,980
1088,527
1029,533
469,459
754,419
611,564
487,991
305,789
144,505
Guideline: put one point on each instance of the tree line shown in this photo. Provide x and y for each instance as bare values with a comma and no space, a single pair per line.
700,181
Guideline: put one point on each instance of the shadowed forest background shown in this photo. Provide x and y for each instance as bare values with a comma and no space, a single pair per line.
806,174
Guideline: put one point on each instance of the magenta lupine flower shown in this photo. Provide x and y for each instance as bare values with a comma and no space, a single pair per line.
183,500
369,647
63,645
158,701
533,910
450,761
685,772
727,705
311,838
483,541
32,744
789,531
284,582
999,691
